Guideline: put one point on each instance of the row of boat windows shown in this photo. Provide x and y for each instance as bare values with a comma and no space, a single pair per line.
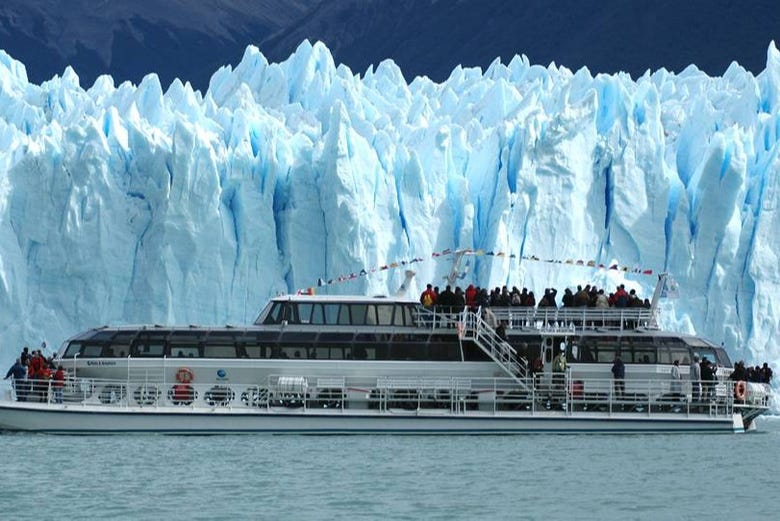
634,350
399,350
340,314
378,346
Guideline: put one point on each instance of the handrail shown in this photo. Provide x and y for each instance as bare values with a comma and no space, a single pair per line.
475,328
388,393
549,319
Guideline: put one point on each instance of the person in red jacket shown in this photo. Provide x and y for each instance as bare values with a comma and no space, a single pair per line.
471,297
428,297
58,384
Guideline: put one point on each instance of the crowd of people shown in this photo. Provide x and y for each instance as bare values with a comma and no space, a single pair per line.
33,374
757,374
475,297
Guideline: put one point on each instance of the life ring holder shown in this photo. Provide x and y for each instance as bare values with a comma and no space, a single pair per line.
184,375
740,390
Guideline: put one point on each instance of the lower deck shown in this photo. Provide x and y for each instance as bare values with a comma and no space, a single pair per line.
338,404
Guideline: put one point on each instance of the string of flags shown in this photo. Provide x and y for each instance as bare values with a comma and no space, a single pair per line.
364,272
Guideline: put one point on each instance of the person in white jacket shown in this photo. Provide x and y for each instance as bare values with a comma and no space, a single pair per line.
695,376
676,384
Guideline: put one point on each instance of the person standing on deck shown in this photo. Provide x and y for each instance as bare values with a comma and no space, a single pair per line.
58,384
695,379
619,377
675,387
559,370
19,373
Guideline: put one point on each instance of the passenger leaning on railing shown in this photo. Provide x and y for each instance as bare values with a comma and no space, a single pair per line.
19,374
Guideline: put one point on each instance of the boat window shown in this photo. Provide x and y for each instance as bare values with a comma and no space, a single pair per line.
723,357
409,347
298,338
403,313
664,356
365,345
443,349
607,348
149,344
184,351
102,336
289,313
644,352
274,314
384,314
681,354
317,316
586,353
73,349
91,350
262,337
331,313
219,350
253,350
702,352
344,315
304,312
358,312
371,315
108,352
121,343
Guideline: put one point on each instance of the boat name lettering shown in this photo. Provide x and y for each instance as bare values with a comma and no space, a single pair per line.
100,362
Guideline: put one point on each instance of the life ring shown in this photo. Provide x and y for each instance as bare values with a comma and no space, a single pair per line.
740,390
184,375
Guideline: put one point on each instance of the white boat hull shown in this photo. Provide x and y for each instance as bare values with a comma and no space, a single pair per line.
80,419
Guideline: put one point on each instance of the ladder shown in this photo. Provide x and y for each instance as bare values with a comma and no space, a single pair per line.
476,329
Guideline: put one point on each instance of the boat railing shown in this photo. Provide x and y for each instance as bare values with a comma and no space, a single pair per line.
547,319
409,394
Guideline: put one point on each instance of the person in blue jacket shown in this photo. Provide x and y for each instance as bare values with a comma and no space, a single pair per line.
19,372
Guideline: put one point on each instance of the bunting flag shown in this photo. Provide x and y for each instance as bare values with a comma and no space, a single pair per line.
364,272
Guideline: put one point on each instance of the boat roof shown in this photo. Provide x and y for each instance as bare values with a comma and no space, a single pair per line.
341,299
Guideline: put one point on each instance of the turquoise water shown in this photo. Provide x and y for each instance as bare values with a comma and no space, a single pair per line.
392,477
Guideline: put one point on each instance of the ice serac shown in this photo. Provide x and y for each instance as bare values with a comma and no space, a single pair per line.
140,203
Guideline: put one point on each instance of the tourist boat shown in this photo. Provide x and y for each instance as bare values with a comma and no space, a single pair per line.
340,364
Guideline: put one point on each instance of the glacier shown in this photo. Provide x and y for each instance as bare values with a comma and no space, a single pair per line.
136,204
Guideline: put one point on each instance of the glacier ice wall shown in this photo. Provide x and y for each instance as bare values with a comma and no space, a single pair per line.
135,204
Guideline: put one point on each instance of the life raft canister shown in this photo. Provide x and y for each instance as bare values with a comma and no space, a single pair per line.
740,390
184,375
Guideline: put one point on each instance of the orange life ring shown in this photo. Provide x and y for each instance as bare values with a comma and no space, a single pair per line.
740,390
184,375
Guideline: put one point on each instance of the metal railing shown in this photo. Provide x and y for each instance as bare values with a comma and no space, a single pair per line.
501,352
411,395
549,319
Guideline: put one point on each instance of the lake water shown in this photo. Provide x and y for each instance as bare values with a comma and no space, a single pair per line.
684,476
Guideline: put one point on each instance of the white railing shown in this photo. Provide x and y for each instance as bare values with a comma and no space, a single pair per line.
549,319
486,338
403,394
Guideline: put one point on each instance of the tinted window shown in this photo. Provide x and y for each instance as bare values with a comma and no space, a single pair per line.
73,348
304,312
185,351
274,314
358,314
384,314
219,351
317,316
91,350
